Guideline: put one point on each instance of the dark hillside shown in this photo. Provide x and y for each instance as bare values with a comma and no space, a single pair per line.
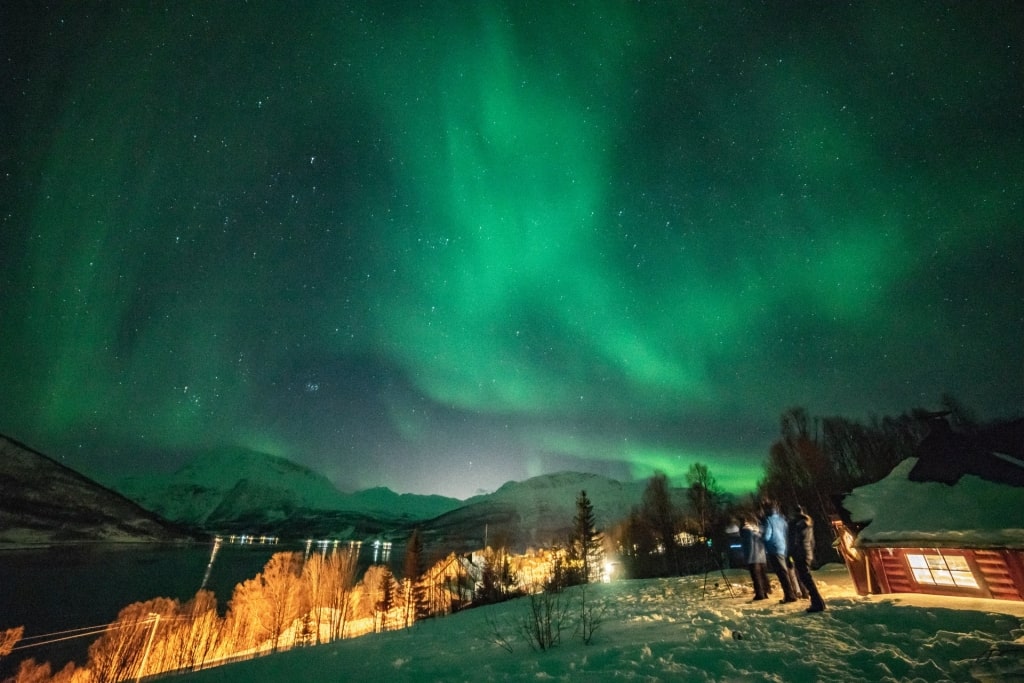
43,502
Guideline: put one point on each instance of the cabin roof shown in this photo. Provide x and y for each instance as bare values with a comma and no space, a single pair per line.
960,490
972,513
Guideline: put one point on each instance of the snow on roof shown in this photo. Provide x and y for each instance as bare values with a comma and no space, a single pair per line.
972,513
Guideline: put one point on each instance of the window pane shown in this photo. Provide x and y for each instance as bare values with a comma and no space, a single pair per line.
965,579
957,563
917,561
922,575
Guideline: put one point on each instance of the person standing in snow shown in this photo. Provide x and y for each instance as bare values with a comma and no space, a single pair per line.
753,555
802,552
774,530
793,540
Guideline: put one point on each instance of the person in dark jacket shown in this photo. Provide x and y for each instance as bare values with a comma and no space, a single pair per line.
795,539
802,552
753,555
774,531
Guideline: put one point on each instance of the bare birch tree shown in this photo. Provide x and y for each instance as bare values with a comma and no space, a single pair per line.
265,606
192,638
117,654
341,574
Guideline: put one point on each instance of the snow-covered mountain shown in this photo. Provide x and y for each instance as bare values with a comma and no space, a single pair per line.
534,512
234,488
555,494
43,502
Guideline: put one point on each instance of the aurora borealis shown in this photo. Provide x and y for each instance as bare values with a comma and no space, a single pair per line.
439,247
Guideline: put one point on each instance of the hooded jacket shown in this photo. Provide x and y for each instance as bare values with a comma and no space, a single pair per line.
753,546
774,529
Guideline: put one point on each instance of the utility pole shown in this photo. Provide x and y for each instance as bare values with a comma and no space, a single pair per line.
149,644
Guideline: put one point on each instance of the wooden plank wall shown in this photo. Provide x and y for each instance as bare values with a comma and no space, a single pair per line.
1000,573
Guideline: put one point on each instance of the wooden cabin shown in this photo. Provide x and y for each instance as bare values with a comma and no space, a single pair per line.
949,521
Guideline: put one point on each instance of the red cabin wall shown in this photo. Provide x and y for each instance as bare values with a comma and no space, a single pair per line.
999,573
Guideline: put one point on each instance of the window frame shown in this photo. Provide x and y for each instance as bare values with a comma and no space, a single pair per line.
934,568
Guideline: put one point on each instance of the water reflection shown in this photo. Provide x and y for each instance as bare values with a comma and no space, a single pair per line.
209,565
326,546
251,539
381,552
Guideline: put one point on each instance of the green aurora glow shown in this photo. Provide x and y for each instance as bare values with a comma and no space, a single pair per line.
440,247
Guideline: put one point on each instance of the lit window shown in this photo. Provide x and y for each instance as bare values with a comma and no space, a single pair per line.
942,570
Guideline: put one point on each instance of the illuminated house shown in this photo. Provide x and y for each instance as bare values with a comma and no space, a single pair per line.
949,521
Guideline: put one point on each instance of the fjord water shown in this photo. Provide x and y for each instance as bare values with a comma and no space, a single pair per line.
60,588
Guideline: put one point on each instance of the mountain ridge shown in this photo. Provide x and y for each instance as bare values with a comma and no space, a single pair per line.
44,502
278,496
234,491
220,486
535,512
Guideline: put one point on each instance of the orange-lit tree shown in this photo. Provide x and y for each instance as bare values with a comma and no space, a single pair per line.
9,638
341,574
328,580
262,608
31,671
316,576
119,653
192,638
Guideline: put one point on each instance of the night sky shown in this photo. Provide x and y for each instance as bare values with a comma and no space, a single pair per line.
440,247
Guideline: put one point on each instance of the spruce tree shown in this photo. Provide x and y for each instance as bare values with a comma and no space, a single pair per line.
412,569
385,596
585,546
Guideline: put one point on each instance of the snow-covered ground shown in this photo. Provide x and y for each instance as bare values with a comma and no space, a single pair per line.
683,629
